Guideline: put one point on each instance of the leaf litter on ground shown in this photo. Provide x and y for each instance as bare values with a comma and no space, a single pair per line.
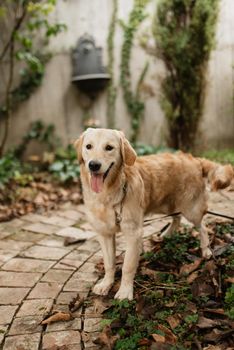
38,194
181,300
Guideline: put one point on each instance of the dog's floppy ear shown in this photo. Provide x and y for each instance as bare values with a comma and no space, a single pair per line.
128,153
78,146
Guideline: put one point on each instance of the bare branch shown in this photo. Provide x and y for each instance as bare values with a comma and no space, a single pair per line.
17,25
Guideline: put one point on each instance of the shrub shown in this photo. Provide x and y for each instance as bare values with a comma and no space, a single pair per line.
184,31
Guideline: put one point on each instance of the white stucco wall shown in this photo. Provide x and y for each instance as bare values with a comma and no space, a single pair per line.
58,101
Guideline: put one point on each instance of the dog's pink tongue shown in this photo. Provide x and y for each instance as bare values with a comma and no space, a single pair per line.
96,182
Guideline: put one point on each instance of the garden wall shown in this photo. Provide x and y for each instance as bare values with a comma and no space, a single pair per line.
57,101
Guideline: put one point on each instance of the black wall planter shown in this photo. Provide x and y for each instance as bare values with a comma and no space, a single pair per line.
88,73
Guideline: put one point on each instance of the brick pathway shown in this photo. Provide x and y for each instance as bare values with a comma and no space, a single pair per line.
38,274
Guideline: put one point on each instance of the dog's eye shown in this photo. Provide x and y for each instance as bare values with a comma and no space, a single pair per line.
109,148
89,146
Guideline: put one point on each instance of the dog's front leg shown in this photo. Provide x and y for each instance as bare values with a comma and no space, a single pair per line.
133,250
108,249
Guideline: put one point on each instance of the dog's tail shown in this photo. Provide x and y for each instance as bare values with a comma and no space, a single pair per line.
219,176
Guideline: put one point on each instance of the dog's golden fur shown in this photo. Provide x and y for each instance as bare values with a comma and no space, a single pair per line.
163,183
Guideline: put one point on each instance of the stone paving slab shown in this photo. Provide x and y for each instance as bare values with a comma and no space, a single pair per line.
6,313
27,265
58,221
4,234
25,325
64,326
12,296
68,264
64,298
27,236
42,252
61,338
35,307
41,228
18,223
54,241
45,290
78,285
76,233
70,214
18,279
33,218
22,342
6,254
54,275
3,331
38,275
14,245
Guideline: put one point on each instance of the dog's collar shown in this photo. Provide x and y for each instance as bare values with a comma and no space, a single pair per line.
118,214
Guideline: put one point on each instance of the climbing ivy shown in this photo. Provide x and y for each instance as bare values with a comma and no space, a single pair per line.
184,31
132,98
112,90
26,28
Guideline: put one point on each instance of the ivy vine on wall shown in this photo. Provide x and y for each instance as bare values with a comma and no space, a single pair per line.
184,31
132,99
26,29
112,90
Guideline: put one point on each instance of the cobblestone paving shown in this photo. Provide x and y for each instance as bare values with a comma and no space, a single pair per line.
38,274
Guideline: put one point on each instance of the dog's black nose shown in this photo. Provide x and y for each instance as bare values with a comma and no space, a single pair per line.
94,165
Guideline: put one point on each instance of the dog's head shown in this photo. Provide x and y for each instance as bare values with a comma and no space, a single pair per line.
103,151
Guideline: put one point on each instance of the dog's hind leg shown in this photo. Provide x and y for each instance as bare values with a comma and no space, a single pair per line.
204,241
195,216
108,249
173,226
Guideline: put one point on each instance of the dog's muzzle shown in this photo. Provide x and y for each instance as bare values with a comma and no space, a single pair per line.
97,179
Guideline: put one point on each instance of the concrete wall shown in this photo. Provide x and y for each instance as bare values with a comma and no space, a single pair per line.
58,101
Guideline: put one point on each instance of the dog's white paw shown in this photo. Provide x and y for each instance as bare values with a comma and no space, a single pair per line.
206,253
103,287
125,292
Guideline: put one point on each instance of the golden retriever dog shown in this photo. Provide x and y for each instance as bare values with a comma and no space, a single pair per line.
119,188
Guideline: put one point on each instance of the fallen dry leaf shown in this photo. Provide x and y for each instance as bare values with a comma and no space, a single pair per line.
170,303
216,335
158,338
106,338
204,322
146,271
202,287
215,311
57,317
173,321
192,277
144,342
160,346
188,268
76,303
170,337
99,306
229,280
219,250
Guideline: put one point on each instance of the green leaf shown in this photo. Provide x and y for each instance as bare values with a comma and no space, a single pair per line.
57,166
